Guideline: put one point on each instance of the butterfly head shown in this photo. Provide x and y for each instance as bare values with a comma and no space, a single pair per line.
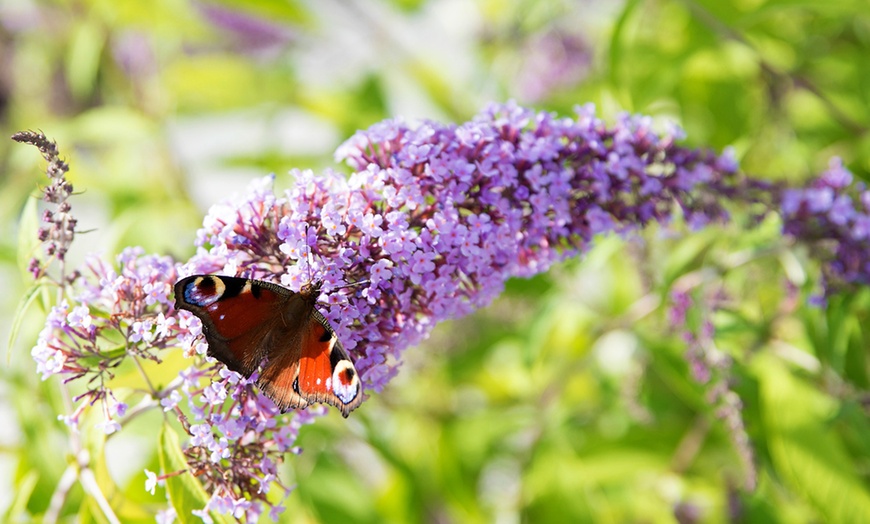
311,290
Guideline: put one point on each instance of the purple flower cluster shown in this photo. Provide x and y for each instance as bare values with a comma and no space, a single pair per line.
711,367
553,59
437,217
237,441
833,216
74,341
237,438
60,230
429,226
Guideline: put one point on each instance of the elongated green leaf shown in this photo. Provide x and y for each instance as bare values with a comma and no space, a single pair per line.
185,491
807,454
23,490
20,311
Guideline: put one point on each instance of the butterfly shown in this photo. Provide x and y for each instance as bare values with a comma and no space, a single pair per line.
247,321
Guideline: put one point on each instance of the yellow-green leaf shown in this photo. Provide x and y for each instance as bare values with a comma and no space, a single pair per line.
185,491
807,454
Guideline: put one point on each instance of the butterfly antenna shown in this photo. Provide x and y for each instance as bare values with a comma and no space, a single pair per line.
352,284
310,257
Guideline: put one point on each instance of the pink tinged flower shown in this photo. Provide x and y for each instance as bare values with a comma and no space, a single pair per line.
232,429
295,250
202,435
80,317
57,318
169,402
415,154
230,376
841,211
214,394
836,176
819,200
285,438
332,221
398,242
141,331
275,512
120,409
203,514
469,246
166,516
150,481
380,271
421,264
336,300
156,292
188,322
354,219
479,224
600,221
49,361
108,426
371,224
219,449
164,326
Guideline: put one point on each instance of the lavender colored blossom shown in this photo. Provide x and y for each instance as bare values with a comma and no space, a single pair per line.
167,516
59,232
711,368
552,60
832,216
251,34
437,217
430,225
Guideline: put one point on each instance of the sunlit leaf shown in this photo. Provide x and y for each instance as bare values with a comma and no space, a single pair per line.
185,491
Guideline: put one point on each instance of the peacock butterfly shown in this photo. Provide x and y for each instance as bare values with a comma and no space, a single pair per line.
247,321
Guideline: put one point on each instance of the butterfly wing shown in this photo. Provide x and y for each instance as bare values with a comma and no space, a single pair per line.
317,369
238,316
245,321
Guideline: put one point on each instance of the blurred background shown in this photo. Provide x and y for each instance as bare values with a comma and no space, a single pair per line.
569,399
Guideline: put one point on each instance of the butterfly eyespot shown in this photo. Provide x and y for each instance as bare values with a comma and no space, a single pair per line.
345,383
248,323
348,375
204,291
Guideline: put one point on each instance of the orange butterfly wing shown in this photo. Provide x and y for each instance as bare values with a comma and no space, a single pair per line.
245,321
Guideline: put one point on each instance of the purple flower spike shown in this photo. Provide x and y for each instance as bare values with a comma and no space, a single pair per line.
437,217
833,216
429,226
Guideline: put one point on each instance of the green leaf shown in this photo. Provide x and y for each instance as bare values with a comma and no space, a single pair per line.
22,308
185,491
83,58
688,255
23,490
807,454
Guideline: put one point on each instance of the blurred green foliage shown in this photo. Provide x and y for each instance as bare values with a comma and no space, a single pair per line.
569,399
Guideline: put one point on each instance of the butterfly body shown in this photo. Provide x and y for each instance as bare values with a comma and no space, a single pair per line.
248,321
